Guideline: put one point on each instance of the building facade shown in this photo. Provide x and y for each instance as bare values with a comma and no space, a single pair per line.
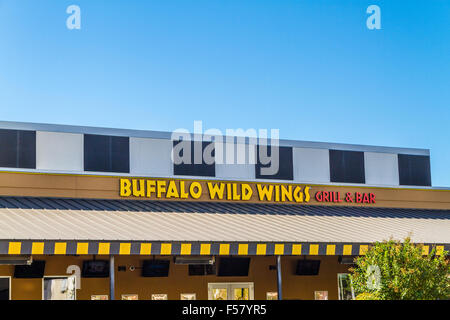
96,213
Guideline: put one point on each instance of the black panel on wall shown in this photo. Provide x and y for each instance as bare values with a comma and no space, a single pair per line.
17,149
285,168
106,153
414,170
347,166
191,169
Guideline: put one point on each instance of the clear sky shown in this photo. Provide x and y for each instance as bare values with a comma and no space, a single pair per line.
309,68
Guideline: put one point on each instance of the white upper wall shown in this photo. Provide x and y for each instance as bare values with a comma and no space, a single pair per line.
236,161
381,168
167,135
151,157
311,165
56,151
59,148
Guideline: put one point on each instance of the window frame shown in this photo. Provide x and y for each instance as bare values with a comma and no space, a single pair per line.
109,147
20,149
184,166
229,286
416,157
334,169
258,165
339,286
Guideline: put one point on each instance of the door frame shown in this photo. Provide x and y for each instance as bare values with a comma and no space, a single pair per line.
230,286
59,277
339,285
9,281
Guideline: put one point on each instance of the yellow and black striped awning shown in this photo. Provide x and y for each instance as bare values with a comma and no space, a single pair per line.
188,248
137,227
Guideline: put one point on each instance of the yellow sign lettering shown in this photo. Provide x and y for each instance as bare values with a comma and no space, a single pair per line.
139,192
183,192
247,192
298,194
216,189
150,188
125,187
265,192
160,188
192,190
172,191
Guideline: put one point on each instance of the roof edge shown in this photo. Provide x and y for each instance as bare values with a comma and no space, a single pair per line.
167,135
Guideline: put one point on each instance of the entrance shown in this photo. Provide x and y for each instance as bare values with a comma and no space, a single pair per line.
345,288
5,284
59,288
231,291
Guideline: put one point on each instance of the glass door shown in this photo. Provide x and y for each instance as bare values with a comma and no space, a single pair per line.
5,291
231,291
59,288
345,288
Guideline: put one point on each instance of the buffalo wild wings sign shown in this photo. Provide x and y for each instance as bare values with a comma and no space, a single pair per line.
203,190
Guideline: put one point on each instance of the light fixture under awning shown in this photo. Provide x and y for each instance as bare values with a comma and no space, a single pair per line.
16,260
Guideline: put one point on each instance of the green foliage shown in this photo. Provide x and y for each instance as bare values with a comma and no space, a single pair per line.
367,296
404,273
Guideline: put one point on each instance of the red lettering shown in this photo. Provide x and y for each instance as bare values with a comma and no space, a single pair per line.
319,196
335,196
366,198
348,197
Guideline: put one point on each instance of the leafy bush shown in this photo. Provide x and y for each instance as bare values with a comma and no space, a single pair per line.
392,270
367,296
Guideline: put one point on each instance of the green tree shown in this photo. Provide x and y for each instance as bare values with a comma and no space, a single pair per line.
392,270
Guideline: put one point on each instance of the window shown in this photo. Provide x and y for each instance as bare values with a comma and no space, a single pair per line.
159,296
186,151
271,295
347,166
202,269
345,288
59,288
130,297
414,170
17,149
99,297
5,292
320,295
33,271
307,267
233,267
188,296
284,163
231,291
106,153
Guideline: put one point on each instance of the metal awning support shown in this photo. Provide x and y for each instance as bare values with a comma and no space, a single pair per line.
280,296
111,277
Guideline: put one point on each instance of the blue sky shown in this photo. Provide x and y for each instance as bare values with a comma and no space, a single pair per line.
309,68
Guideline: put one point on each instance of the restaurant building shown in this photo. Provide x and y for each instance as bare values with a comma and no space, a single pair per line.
97,213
